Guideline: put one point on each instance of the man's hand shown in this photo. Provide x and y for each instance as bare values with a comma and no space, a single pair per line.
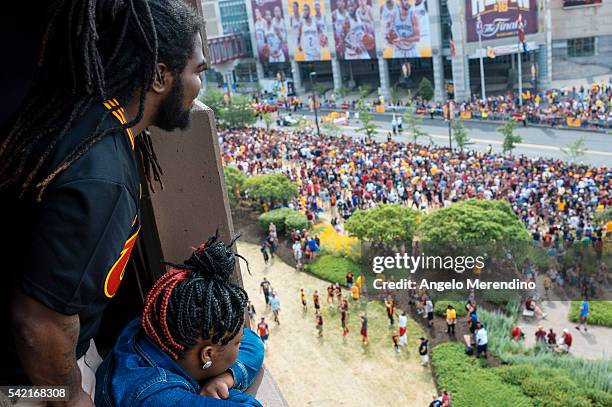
218,387
46,343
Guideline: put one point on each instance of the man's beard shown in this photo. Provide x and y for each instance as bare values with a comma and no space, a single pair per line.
171,114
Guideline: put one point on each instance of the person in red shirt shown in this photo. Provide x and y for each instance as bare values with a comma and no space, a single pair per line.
263,331
517,333
566,341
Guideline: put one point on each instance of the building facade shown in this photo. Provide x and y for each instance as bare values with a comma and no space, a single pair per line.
392,44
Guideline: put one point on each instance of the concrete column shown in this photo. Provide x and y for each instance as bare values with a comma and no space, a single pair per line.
435,30
383,71
297,77
260,70
545,66
336,73
460,67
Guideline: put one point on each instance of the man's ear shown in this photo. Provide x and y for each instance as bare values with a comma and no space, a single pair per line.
162,80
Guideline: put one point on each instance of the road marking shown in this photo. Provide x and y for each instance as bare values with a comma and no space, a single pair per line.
497,142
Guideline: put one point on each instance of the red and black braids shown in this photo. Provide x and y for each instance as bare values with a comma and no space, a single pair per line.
196,300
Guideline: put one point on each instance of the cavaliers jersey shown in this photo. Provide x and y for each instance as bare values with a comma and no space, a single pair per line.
260,32
387,16
72,247
310,40
339,19
404,28
354,39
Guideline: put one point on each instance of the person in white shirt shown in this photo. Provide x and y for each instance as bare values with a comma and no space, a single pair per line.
274,40
308,37
260,30
405,32
387,15
294,23
339,17
297,253
420,9
481,340
403,330
354,32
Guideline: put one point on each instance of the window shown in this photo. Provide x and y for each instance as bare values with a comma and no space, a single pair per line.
581,47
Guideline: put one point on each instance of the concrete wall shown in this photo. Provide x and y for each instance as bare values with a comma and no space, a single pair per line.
581,22
194,202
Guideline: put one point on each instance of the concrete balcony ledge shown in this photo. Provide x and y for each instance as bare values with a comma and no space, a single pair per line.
194,204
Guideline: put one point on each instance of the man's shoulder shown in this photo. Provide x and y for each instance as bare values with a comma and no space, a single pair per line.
107,159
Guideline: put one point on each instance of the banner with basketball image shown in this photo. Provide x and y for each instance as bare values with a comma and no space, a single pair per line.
353,29
405,28
308,30
270,31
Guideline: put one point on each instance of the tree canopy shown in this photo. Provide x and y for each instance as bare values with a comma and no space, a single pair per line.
383,224
473,221
271,188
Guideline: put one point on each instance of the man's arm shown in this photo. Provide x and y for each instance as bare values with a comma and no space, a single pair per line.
46,343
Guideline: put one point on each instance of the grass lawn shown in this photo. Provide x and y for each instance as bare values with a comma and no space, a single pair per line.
333,268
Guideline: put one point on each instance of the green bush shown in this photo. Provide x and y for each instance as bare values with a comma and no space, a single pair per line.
590,374
277,216
600,312
471,384
295,221
332,268
499,326
440,308
553,387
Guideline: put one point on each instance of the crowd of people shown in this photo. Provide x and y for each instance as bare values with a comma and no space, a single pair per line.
553,198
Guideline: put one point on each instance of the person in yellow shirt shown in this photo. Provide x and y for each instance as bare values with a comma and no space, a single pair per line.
355,292
359,282
303,298
451,319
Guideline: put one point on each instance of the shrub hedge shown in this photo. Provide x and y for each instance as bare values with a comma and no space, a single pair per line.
277,216
332,268
471,384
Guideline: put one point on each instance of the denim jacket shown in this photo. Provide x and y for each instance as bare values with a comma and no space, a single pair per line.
138,373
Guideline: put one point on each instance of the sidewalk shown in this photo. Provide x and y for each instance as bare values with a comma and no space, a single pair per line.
589,345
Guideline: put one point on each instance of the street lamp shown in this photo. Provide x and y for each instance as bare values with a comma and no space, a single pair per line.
314,102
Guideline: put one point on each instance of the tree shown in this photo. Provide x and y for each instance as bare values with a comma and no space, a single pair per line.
474,227
235,111
343,91
413,122
364,91
367,120
271,188
320,89
384,223
576,149
510,139
331,128
460,134
268,120
234,180
426,89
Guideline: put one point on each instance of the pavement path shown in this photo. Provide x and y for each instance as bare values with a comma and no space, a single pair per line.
589,345
332,371
537,141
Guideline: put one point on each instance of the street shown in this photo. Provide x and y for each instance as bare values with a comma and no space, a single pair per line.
537,141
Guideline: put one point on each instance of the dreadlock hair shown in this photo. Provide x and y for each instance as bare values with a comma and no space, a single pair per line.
92,50
196,299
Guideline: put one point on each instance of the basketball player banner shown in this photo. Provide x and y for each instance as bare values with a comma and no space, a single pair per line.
500,18
353,28
405,28
270,31
308,31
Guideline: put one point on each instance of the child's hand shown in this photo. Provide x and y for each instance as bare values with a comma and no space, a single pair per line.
218,387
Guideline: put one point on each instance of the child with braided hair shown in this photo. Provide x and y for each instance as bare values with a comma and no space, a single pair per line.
189,348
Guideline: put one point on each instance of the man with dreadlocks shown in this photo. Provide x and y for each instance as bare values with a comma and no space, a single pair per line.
189,343
69,179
